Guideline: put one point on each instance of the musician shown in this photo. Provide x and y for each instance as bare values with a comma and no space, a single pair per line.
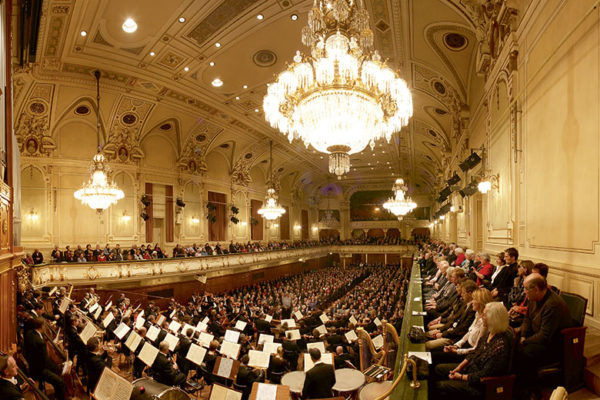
246,375
320,379
182,348
162,334
277,366
163,369
9,387
121,300
41,367
138,365
97,360
290,351
340,358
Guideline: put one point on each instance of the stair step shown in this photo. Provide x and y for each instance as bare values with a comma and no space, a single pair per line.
583,394
592,378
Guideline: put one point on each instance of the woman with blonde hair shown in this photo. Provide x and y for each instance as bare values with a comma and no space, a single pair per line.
490,358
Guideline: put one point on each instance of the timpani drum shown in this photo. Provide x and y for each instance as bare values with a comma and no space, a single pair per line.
149,389
374,390
347,382
295,380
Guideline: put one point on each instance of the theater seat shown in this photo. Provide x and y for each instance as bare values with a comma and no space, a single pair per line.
576,305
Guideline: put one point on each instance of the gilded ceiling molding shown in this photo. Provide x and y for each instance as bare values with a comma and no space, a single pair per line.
32,127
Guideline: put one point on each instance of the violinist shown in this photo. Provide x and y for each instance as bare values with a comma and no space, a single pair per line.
41,367
9,387
138,365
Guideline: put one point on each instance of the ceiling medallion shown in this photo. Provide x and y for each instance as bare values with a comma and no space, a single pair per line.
455,41
264,58
400,204
341,97
99,192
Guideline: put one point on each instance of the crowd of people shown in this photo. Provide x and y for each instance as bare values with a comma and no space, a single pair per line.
476,311
322,305
148,251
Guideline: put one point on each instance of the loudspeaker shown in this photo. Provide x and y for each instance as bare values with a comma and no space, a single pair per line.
180,203
144,216
145,200
454,179
470,162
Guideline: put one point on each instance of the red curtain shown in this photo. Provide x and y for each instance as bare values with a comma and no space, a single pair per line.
150,220
284,225
216,230
256,230
304,222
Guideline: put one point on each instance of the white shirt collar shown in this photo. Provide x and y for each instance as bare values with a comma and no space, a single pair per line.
12,380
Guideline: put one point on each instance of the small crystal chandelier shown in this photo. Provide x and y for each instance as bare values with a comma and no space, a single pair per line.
329,220
271,210
99,192
341,97
400,204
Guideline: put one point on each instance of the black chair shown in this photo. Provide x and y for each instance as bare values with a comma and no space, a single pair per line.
275,376
245,389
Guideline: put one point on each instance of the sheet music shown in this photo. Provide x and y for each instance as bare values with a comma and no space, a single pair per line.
108,319
295,334
241,325
133,341
186,327
196,354
161,319
262,338
64,304
322,329
174,326
423,355
290,323
377,322
351,336
205,339
172,340
326,358
271,348
266,391
141,313
153,332
139,322
88,331
219,392
127,313
52,291
93,308
268,318
378,341
324,318
259,359
172,313
316,345
353,320
232,336
419,313
231,350
122,330
225,367
108,305
148,354
298,315
112,387
98,312
205,320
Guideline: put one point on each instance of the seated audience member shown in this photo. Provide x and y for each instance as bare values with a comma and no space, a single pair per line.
517,300
505,278
490,358
460,256
320,379
37,257
547,314
56,255
483,272
9,387
163,369
96,361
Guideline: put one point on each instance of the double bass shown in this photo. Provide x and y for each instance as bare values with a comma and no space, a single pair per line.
31,391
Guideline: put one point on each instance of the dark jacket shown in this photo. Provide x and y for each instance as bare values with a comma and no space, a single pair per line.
35,353
319,381
164,372
544,321
95,366
8,391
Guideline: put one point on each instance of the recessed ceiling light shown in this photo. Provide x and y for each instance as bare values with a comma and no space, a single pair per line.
217,82
83,33
181,19
129,25
186,69
372,168
152,54
321,157
294,17
217,44
268,84
256,110
369,163
237,97
212,63
260,17
245,86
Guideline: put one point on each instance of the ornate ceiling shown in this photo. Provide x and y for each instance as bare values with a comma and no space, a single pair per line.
162,73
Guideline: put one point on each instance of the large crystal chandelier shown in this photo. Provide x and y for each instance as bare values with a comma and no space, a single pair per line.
400,204
342,97
99,192
271,210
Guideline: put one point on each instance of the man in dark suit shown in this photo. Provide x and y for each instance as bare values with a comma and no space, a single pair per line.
182,349
246,375
163,369
96,362
41,367
290,351
320,379
9,387
340,358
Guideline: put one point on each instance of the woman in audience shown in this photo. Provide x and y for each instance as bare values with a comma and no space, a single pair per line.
490,358
516,297
483,272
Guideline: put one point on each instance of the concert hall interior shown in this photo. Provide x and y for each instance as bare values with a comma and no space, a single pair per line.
303,199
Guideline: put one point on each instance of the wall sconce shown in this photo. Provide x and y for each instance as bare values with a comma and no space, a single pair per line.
442,217
275,226
297,227
33,215
488,183
125,217
452,209
244,223
195,220
314,228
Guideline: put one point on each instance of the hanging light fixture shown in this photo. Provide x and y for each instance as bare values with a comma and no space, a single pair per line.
271,210
329,220
341,97
400,203
99,192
